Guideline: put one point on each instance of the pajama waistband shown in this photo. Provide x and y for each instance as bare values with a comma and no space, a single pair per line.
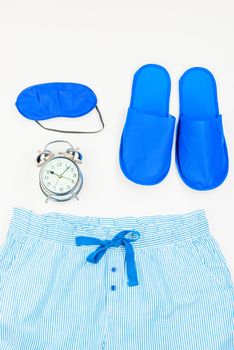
154,231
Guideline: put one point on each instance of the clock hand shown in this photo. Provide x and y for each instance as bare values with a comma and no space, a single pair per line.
68,178
64,171
56,182
52,172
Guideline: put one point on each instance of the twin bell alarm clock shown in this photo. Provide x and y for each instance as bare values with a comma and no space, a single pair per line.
60,177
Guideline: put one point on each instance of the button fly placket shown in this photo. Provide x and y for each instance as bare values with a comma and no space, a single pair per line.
113,287
115,271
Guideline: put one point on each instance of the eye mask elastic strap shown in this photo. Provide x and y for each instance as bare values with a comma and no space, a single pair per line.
76,132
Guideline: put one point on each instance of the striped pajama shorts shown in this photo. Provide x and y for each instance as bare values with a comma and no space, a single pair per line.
85,283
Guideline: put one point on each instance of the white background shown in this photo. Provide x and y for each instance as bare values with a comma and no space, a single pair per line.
101,44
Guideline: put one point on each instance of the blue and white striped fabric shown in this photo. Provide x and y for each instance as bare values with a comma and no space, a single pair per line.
180,295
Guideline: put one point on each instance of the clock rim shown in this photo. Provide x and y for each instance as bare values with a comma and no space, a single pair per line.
49,192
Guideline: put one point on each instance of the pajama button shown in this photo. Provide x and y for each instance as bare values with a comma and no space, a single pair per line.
113,287
113,269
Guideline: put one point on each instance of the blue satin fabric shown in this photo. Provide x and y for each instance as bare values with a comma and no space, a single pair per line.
50,100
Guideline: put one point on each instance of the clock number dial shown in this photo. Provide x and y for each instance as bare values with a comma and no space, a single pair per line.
60,175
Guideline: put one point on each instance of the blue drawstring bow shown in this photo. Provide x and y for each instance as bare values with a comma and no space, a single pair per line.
116,241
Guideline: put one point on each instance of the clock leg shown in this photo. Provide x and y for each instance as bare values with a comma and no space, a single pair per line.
47,199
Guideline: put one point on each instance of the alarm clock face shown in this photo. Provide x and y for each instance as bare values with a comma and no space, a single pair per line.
59,175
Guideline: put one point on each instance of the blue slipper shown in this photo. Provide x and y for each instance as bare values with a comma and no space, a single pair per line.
146,143
201,150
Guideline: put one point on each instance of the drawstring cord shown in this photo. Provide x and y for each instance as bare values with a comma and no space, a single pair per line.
116,241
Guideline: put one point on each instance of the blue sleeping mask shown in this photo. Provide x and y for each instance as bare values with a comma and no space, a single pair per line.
51,100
